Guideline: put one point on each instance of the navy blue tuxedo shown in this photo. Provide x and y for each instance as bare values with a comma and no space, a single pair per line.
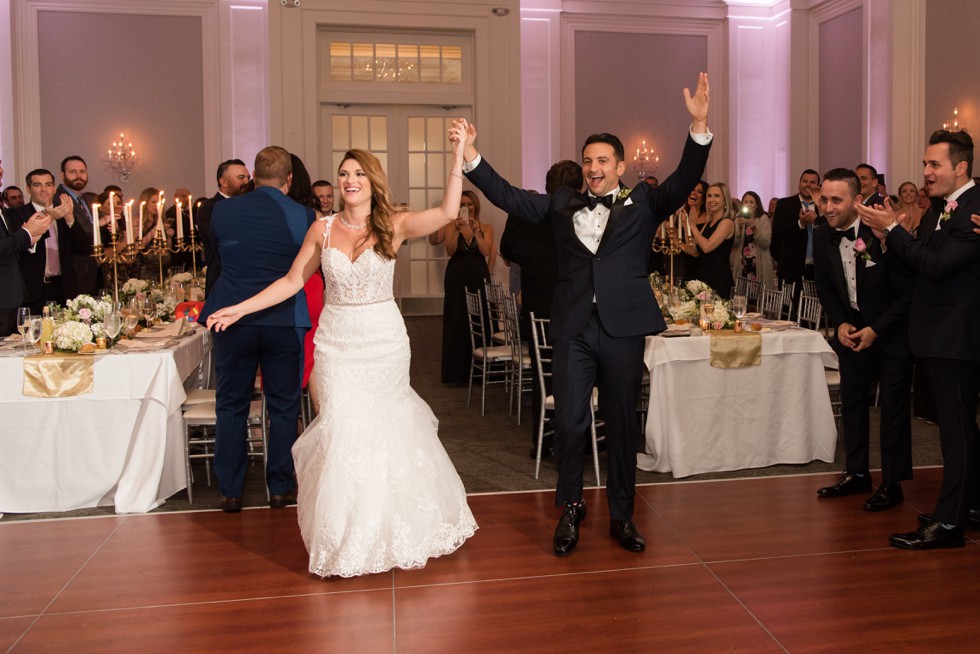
256,237
603,309
883,288
207,241
944,331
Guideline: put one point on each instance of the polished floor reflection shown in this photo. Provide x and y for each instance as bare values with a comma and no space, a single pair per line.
753,565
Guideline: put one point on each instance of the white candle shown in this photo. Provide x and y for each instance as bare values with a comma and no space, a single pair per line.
128,209
180,223
190,212
160,216
112,211
96,236
689,227
142,207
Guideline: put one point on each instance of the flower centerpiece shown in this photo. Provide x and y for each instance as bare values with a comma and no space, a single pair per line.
132,288
71,335
689,301
83,310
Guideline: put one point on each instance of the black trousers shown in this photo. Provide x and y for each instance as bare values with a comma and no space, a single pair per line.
614,365
955,385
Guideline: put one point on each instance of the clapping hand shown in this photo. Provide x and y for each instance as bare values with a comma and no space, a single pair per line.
880,216
65,208
697,105
37,225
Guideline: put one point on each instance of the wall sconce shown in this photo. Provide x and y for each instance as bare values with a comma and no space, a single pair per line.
646,161
954,124
120,159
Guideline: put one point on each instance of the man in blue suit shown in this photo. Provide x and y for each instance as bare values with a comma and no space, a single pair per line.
256,238
603,307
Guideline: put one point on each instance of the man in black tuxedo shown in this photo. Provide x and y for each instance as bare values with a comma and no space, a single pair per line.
532,247
792,231
232,177
866,294
944,327
868,176
16,236
49,271
604,306
74,179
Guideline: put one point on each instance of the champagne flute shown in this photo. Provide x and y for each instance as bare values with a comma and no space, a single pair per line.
23,324
34,331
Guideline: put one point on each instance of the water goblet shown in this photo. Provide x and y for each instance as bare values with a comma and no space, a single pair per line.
23,324
740,305
34,331
112,323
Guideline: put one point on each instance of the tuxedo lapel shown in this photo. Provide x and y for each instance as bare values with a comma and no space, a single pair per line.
873,249
840,283
566,225
927,226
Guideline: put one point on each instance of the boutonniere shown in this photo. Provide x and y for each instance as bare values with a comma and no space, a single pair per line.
861,250
948,211
624,193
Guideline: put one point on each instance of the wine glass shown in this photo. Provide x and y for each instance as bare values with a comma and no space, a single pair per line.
674,304
149,310
708,310
23,324
112,323
34,331
130,319
740,305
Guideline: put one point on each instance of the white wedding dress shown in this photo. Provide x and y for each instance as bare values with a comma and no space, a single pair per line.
376,488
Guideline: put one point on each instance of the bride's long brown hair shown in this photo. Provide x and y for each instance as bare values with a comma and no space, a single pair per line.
379,222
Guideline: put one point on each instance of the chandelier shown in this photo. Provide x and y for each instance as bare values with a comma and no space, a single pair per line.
645,161
120,159
954,124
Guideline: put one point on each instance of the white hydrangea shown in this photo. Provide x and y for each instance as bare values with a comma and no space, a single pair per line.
71,335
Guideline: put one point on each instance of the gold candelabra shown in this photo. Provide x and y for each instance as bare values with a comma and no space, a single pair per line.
126,254
668,240
114,255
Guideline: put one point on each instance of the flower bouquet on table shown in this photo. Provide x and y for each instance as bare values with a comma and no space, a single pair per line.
80,324
695,301
131,288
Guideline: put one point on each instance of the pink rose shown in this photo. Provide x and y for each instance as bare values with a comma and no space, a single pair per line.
141,295
84,314
951,206
860,245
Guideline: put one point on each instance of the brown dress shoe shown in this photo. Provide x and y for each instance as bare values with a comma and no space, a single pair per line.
230,504
282,501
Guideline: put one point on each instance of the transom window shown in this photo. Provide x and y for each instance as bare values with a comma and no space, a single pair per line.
400,63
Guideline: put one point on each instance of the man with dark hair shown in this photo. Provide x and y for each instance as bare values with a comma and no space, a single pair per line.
604,306
12,197
532,247
652,181
866,294
49,271
232,177
944,327
324,193
256,236
868,176
74,179
793,223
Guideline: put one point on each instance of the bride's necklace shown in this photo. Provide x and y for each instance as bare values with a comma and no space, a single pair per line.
348,225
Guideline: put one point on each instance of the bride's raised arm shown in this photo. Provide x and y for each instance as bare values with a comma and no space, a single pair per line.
304,265
422,223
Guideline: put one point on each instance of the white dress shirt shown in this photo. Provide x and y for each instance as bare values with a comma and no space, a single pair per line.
52,263
849,261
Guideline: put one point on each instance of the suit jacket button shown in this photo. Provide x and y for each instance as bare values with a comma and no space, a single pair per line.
595,258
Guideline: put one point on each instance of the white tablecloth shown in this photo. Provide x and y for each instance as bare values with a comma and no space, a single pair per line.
704,419
120,445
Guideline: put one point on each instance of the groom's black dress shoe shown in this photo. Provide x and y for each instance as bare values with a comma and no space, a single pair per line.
848,484
566,534
282,501
626,534
972,519
930,537
887,495
230,504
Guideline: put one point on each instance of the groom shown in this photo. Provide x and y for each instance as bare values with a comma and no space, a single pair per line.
604,306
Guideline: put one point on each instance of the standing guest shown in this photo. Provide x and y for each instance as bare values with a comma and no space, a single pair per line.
256,237
871,190
908,204
469,243
105,226
232,179
604,306
181,260
944,327
377,489
532,247
74,179
712,242
324,193
148,266
866,295
753,236
16,236
49,271
793,223
12,197
692,212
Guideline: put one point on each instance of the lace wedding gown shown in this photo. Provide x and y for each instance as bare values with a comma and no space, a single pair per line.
376,488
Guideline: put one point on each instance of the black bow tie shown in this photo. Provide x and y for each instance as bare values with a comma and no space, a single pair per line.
592,201
837,235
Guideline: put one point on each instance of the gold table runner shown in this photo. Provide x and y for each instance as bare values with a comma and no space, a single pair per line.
735,350
59,375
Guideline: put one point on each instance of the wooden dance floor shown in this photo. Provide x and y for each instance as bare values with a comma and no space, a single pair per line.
755,565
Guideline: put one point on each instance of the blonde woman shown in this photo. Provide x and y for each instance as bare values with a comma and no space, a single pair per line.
713,240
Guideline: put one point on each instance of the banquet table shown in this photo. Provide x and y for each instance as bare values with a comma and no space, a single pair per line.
705,419
120,445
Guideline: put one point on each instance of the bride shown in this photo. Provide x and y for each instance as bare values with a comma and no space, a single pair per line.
376,488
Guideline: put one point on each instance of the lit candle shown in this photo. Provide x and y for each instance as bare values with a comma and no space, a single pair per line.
142,207
160,215
190,212
96,236
180,223
128,209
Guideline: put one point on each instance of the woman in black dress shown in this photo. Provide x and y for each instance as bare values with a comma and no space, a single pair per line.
693,210
468,243
714,240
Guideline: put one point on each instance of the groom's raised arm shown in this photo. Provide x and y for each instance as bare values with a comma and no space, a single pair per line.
533,207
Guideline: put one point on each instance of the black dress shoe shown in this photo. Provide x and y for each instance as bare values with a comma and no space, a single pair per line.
929,537
230,504
972,519
566,533
889,494
626,534
848,484
282,501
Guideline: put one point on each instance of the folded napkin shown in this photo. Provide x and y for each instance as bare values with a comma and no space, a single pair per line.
735,350
58,375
